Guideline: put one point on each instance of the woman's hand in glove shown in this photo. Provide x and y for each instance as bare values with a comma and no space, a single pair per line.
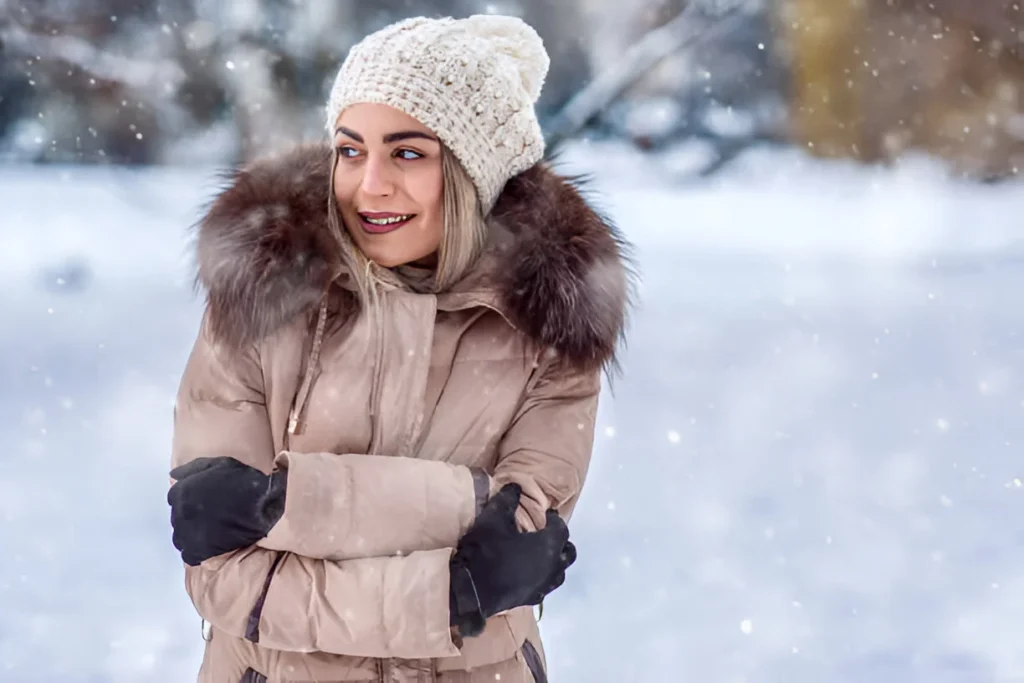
221,504
498,567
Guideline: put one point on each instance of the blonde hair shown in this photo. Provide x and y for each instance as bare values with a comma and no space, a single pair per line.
464,233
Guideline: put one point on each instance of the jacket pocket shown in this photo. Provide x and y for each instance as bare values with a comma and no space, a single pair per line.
251,676
533,662
252,628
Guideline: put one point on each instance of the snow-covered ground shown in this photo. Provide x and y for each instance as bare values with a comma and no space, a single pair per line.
809,471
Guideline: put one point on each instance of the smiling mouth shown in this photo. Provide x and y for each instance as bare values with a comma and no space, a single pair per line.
380,223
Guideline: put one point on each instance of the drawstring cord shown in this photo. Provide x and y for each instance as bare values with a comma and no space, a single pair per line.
298,410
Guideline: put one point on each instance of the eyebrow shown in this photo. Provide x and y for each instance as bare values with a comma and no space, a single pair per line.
390,137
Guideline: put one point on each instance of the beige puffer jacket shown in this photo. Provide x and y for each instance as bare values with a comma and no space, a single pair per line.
394,429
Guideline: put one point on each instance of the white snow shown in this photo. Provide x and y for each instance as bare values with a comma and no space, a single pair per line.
808,472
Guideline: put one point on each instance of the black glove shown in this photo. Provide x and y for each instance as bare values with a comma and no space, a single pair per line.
221,504
497,567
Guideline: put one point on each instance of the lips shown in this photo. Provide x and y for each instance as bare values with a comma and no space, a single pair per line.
383,222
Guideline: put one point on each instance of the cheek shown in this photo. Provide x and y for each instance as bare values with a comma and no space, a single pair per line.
430,196
427,188
437,213
344,189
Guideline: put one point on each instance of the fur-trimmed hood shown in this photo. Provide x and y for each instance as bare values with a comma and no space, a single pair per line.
265,255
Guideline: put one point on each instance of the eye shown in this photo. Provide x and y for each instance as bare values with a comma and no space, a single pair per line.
347,152
408,155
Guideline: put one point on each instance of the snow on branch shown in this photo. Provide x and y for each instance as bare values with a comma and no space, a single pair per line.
134,73
696,22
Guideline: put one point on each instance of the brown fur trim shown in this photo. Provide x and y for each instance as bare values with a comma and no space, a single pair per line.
567,280
265,255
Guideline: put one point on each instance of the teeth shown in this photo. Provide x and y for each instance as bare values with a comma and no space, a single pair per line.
387,221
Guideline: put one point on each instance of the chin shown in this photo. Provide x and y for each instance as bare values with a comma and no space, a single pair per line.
392,260
389,263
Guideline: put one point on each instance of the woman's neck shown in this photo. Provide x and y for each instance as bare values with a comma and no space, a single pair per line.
429,261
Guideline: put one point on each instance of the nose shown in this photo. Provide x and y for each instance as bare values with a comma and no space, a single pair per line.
377,180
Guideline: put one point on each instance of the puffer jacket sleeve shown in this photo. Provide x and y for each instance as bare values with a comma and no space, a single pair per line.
221,411
370,607
329,513
388,597
547,448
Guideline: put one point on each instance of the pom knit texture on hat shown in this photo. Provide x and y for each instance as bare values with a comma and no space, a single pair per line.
473,82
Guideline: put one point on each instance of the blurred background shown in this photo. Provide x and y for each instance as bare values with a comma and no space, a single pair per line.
199,81
810,467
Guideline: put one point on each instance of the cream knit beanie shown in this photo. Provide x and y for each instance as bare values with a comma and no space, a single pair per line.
473,82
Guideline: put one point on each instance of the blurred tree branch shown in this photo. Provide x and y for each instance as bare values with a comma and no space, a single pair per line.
695,23
163,75
166,81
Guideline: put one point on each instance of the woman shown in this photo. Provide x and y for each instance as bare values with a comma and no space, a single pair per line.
389,411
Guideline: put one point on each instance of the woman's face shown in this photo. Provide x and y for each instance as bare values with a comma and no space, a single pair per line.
388,184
